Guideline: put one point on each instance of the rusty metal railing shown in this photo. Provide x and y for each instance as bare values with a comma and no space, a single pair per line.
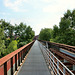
54,63
10,63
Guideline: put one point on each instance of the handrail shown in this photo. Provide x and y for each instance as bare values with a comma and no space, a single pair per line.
67,47
50,56
15,57
60,62
7,57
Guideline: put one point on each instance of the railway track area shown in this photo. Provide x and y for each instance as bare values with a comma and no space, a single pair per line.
65,53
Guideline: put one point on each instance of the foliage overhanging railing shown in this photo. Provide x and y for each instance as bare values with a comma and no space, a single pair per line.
10,63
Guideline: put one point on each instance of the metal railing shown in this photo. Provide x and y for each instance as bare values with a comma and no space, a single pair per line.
54,63
10,63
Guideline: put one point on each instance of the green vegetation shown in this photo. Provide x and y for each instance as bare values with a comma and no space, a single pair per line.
65,32
45,34
12,46
2,46
13,37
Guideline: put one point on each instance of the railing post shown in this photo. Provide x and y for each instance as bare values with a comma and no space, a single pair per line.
57,67
16,62
18,59
12,66
73,67
23,53
53,65
21,57
50,60
47,45
5,68
63,71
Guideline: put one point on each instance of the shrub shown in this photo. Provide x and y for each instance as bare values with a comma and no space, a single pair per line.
12,46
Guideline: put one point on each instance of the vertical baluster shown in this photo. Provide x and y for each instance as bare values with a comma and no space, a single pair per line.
23,53
73,67
50,60
12,66
63,71
21,56
16,62
53,65
18,59
5,68
57,67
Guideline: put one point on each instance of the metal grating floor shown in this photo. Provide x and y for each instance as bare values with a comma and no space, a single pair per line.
35,63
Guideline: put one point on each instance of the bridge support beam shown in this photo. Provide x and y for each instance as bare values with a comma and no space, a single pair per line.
65,60
73,67
47,45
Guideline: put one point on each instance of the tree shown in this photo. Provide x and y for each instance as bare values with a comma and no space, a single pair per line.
2,43
55,31
8,31
8,28
29,34
70,16
45,34
66,33
12,46
13,36
25,34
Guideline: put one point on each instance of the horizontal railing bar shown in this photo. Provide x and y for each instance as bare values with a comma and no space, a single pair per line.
57,65
48,51
67,47
62,64
71,60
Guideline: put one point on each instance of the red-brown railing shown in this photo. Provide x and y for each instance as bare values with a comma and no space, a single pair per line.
9,64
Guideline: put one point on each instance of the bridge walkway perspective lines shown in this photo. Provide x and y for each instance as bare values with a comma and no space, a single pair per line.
35,63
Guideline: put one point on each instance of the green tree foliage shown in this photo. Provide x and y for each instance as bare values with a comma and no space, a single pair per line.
66,30
2,42
25,34
8,28
55,31
8,31
13,36
45,34
12,46
29,34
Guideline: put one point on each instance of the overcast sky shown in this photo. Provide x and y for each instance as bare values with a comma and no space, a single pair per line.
36,13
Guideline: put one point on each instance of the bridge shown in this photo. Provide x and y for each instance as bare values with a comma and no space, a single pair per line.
40,58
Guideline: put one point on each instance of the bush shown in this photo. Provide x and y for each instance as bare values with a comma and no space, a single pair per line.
21,44
12,46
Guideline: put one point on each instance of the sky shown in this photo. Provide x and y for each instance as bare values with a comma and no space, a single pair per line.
36,13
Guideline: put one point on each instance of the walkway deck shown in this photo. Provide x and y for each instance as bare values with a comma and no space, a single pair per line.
35,63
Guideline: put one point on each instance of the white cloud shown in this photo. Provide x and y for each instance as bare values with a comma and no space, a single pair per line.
48,1
3,13
53,10
59,6
16,5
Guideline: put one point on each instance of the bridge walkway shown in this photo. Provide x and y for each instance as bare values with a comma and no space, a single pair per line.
35,63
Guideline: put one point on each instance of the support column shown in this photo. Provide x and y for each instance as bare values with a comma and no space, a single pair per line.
47,45
65,60
73,67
